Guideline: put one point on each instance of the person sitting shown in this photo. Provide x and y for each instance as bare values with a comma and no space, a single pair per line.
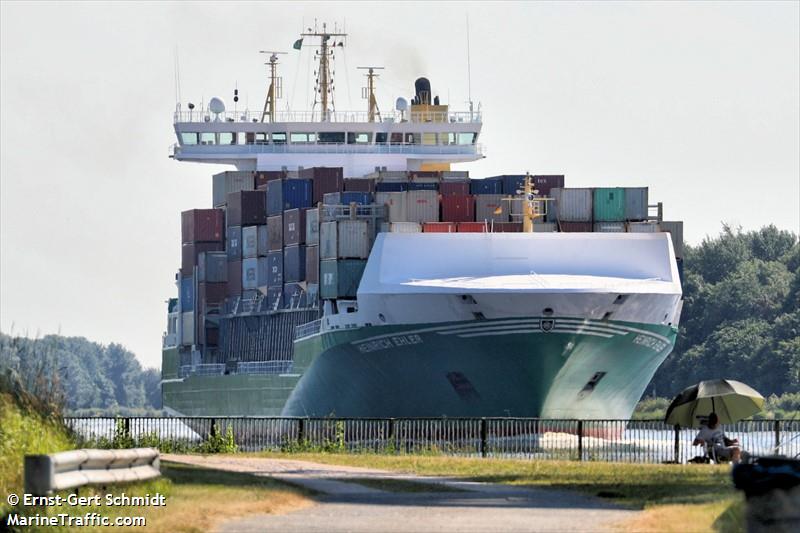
716,443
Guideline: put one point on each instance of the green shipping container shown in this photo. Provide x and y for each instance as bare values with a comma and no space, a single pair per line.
340,279
609,204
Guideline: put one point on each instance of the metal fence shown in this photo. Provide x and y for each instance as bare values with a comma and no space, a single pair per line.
636,441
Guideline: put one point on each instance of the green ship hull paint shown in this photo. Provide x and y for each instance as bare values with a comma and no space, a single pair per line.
539,367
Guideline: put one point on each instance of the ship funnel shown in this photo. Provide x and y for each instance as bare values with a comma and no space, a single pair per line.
423,88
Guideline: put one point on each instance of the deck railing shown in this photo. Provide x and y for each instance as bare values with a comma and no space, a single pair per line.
202,116
632,441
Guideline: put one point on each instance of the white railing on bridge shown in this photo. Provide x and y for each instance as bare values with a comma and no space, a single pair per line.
264,367
200,116
332,148
207,369
306,330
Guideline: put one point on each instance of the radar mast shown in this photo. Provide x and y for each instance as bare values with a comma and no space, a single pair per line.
325,54
368,93
275,86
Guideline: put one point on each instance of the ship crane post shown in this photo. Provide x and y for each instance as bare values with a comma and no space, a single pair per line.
275,86
368,93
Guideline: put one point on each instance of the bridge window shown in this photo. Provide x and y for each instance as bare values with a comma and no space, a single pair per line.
358,138
279,138
397,138
227,138
331,137
381,137
413,138
208,138
189,138
261,137
303,138
466,138
428,138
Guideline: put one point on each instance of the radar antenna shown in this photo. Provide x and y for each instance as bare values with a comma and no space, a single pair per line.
275,86
368,93
325,74
533,207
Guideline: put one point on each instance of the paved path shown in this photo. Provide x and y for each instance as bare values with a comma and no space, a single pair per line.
479,507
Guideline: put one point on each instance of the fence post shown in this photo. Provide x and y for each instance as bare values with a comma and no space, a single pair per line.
777,437
213,432
677,444
301,430
483,437
126,428
392,433
580,440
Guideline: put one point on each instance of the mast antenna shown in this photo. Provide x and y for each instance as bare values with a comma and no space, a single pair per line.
469,72
368,93
325,86
275,89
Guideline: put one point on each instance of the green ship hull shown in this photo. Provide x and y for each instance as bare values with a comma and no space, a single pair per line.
545,367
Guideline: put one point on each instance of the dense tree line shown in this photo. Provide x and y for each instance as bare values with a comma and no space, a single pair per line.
80,373
741,314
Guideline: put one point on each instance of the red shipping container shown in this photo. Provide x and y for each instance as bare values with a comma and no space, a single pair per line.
359,185
262,177
202,225
439,227
544,184
472,227
326,179
454,188
575,227
234,278
247,208
506,227
322,172
458,208
191,250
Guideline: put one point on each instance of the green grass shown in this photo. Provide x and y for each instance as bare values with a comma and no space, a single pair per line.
398,485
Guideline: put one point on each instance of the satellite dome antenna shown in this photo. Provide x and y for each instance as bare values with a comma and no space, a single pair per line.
401,104
216,106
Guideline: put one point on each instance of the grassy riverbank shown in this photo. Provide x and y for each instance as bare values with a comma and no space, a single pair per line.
673,497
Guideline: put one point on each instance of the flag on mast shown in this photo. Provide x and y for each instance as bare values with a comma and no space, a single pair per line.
298,44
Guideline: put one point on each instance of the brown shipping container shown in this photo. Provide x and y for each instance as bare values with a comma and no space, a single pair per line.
211,294
275,233
439,227
202,225
472,227
247,208
458,208
312,264
506,227
190,252
359,184
544,183
263,176
457,188
575,227
425,174
294,226
234,278
326,179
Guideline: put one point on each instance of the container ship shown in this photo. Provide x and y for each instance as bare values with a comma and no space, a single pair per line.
343,269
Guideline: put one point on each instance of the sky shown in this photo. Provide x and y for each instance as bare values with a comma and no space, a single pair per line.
698,101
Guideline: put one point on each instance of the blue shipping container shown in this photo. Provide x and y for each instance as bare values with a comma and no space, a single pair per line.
233,244
274,197
423,186
358,197
298,193
513,183
486,186
391,186
294,263
187,294
275,269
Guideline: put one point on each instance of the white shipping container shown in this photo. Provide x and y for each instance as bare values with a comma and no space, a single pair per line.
249,241
455,175
486,204
644,227
225,183
312,226
609,227
188,332
328,235
422,206
572,205
636,199
332,198
401,227
395,203
675,229
353,239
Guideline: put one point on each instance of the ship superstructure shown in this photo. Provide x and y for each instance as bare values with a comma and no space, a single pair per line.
345,269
